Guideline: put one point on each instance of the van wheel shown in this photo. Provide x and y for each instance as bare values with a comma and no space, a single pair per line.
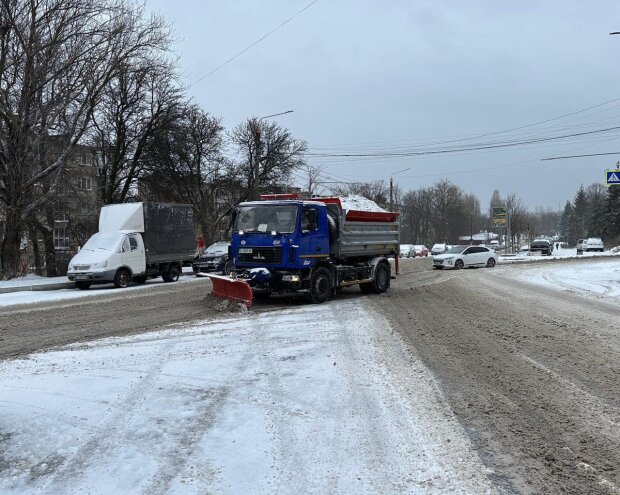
321,287
121,279
83,285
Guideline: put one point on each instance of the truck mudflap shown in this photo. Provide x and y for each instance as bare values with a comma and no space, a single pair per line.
230,288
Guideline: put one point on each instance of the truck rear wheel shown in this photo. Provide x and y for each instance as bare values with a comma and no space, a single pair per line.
121,279
381,280
321,287
172,273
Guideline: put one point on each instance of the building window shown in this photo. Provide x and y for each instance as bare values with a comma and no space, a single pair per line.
61,235
85,159
85,184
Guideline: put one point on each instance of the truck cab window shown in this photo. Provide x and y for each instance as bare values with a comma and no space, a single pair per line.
309,219
133,243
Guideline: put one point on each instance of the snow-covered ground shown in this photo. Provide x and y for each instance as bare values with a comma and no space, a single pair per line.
319,399
28,297
593,279
561,253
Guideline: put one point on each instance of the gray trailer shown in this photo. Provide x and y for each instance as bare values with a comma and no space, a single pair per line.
136,241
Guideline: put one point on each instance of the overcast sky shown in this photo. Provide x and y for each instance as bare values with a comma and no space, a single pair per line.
373,76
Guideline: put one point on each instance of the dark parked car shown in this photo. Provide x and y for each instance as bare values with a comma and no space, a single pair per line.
542,246
213,258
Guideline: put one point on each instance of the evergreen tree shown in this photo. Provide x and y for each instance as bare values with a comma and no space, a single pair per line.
580,213
567,224
611,216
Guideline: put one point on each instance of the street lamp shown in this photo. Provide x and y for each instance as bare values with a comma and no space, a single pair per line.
392,187
256,188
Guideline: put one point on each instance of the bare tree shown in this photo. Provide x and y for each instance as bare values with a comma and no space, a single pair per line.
376,191
188,167
138,101
267,154
56,57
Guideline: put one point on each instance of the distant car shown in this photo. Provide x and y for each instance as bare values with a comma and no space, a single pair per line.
420,250
406,251
524,249
580,246
542,246
438,248
593,244
458,257
213,258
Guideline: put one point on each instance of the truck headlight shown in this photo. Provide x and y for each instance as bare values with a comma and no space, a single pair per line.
291,278
102,264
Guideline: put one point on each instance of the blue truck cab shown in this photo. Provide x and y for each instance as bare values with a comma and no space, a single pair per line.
307,246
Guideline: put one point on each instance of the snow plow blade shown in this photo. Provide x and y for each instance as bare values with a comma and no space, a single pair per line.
231,289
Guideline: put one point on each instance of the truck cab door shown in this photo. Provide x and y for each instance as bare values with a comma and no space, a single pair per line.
132,253
314,235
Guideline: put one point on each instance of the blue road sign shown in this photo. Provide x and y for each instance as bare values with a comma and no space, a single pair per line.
612,177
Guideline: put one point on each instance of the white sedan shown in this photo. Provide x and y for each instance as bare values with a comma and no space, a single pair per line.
461,256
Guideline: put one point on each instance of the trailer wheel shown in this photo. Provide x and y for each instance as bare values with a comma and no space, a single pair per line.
121,279
321,287
83,285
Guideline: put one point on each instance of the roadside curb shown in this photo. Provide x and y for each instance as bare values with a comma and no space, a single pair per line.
44,287
40,287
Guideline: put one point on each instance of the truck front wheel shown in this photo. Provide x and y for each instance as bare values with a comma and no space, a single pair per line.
121,279
321,287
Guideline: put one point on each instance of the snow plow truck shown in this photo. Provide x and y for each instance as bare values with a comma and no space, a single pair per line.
285,245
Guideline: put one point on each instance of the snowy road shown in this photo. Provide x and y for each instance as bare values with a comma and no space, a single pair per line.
316,399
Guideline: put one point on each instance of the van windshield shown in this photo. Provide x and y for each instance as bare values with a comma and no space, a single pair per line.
266,218
107,241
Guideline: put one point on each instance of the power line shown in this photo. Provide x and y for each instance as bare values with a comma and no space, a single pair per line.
471,137
579,156
255,43
473,147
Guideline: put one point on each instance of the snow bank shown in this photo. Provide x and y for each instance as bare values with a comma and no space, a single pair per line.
319,399
593,279
360,203
561,253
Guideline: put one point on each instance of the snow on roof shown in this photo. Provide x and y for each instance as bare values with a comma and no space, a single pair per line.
360,203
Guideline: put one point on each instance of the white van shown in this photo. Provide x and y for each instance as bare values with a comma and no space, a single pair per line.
136,241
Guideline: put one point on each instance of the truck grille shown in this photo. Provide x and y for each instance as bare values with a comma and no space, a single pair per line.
262,255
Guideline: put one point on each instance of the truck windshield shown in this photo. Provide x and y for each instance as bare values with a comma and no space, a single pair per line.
107,241
266,218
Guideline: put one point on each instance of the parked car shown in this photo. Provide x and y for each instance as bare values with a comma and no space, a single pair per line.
420,250
438,248
593,244
458,257
580,246
213,258
406,251
542,246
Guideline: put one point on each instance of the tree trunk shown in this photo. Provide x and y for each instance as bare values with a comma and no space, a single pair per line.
10,252
38,268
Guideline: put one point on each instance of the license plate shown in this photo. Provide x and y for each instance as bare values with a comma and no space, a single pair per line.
245,250
81,277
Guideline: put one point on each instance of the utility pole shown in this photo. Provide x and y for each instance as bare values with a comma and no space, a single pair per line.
392,187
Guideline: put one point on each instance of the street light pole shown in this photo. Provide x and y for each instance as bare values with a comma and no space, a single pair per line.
257,146
392,187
